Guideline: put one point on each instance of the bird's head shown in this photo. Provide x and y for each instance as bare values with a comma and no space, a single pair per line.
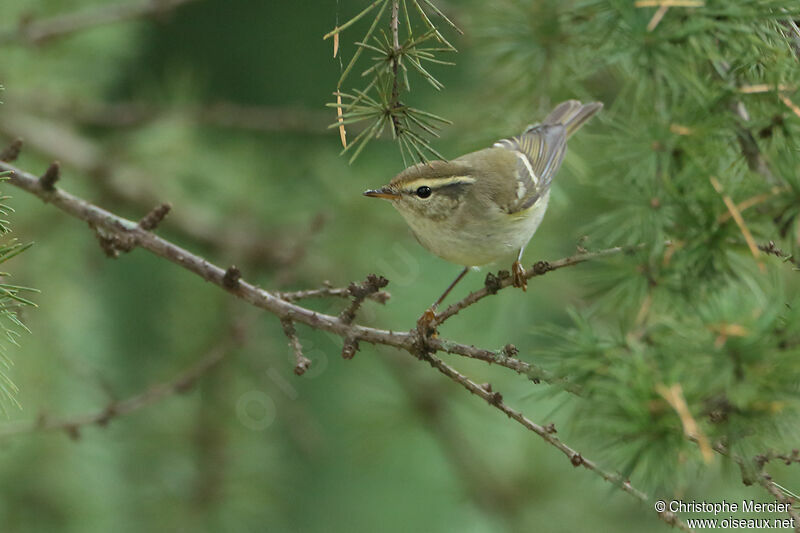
431,190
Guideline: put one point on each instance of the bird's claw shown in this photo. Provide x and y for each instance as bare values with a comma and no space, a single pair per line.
425,323
518,278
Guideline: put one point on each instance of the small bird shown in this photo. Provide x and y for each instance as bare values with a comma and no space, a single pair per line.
486,205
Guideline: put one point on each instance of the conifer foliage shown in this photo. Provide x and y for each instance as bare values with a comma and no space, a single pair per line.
689,347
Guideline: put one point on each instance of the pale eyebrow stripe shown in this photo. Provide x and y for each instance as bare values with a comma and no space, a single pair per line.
435,183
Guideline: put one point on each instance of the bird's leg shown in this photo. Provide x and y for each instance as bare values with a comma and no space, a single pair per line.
450,288
518,272
424,322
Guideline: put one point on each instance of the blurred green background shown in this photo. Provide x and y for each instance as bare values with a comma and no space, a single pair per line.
379,443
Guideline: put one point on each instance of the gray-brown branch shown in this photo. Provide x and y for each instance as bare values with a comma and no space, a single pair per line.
134,235
131,234
494,283
765,481
495,399
327,292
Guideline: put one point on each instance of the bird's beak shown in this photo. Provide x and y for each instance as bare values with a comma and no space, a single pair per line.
384,192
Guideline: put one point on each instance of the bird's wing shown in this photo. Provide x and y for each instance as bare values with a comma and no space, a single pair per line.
540,151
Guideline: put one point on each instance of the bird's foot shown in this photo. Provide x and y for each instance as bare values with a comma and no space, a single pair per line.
518,276
425,323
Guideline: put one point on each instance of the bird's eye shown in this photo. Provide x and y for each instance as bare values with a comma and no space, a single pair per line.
424,191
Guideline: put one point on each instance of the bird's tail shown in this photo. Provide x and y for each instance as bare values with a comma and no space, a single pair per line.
572,114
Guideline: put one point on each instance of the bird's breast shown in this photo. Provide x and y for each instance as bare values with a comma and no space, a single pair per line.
477,237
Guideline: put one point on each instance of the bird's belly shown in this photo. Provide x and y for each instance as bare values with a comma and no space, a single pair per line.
477,242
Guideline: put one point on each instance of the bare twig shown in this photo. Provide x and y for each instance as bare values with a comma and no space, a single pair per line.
496,283
38,32
789,458
495,399
325,292
786,458
753,472
302,363
765,480
359,292
155,393
771,249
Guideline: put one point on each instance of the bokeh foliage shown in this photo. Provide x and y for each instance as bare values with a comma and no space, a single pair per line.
12,299
693,307
376,443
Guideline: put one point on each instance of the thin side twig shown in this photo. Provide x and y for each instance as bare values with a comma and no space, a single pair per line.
301,362
327,292
772,249
765,481
749,477
497,283
495,399
115,409
360,292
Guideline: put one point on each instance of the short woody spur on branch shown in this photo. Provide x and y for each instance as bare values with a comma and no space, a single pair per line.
121,235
